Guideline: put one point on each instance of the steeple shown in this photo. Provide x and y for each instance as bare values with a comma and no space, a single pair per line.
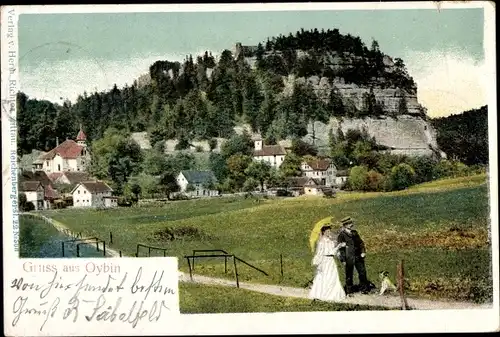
81,137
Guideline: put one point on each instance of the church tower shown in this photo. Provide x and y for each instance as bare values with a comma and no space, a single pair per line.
81,138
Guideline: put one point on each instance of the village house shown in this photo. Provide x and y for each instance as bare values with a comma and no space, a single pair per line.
93,194
272,154
34,192
50,193
321,169
307,186
197,183
70,155
341,178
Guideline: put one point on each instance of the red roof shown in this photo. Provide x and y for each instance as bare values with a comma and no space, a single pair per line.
81,135
51,193
319,164
68,149
270,150
55,175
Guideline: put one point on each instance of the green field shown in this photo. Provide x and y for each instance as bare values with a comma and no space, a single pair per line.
440,229
207,299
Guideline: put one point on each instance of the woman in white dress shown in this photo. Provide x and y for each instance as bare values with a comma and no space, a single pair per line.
326,284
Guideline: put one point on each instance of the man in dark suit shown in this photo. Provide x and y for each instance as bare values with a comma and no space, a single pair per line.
353,256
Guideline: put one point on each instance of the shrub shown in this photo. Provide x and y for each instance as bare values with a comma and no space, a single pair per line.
375,181
250,185
29,206
444,168
358,178
179,233
402,176
424,168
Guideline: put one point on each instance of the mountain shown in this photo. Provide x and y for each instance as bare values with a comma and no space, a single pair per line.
303,85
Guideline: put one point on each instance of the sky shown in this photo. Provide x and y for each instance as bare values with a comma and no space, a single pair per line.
63,55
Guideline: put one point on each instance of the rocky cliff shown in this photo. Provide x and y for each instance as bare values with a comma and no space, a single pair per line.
408,133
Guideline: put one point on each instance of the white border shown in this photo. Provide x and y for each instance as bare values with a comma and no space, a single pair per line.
324,322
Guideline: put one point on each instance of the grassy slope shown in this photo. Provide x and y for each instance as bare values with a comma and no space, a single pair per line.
259,233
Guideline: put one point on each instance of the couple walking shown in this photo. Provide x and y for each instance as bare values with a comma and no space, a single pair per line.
350,250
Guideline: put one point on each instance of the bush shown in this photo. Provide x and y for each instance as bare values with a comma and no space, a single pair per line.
424,168
375,181
29,206
180,233
402,176
179,196
250,185
358,178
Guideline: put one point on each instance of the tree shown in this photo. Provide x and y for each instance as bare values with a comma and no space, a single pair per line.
237,164
402,176
124,161
212,143
358,178
135,188
218,166
375,181
291,165
250,185
101,151
155,163
301,148
402,106
369,104
260,171
168,182
238,144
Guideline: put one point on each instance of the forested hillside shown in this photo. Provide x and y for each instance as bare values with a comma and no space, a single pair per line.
202,97
464,136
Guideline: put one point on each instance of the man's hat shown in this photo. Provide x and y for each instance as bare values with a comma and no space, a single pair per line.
346,221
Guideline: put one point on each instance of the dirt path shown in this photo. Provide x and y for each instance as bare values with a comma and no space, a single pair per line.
373,299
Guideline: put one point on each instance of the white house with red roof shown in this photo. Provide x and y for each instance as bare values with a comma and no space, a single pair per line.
272,154
93,194
321,169
70,155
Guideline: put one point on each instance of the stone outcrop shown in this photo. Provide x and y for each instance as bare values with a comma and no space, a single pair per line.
390,98
409,135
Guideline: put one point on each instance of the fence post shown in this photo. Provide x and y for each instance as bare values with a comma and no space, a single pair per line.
404,304
137,252
110,238
149,251
236,272
104,248
77,250
281,265
164,253
120,253
190,270
62,246
225,264
97,243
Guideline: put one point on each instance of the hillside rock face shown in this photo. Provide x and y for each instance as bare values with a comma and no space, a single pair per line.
408,135
390,98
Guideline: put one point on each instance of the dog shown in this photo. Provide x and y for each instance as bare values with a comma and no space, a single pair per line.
386,283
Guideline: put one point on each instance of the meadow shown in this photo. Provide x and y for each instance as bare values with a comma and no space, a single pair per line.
440,229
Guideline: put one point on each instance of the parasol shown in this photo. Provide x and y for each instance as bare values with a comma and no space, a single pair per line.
317,230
